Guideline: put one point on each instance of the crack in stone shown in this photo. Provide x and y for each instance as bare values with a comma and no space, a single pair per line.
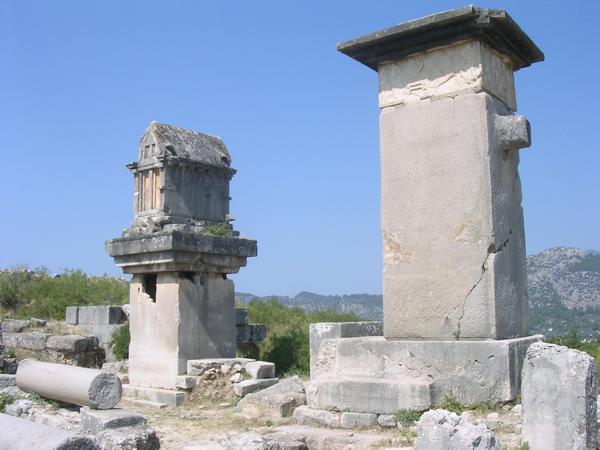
492,250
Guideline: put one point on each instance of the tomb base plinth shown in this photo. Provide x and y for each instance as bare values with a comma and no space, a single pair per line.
375,375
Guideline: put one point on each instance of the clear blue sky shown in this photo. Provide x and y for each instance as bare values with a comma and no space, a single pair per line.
81,80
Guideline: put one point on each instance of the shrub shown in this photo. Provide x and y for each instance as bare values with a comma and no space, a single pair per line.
407,417
25,293
287,341
120,342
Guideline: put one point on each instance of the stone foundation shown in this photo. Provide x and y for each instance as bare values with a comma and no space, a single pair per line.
375,375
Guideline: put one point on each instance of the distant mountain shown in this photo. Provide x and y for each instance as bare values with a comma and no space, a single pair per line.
564,294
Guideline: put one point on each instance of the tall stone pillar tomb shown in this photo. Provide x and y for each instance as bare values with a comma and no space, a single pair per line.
454,278
179,249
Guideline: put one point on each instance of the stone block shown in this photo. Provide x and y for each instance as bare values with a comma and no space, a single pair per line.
303,415
243,333
95,420
72,343
370,395
72,315
472,371
245,387
22,434
104,315
559,405
443,430
10,365
158,396
258,332
103,332
16,326
241,316
19,407
279,400
31,340
197,367
139,437
260,369
329,330
352,420
7,380
387,420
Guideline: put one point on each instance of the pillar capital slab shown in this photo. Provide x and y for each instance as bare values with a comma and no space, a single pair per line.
494,27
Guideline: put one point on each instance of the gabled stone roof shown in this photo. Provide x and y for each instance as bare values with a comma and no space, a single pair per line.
185,144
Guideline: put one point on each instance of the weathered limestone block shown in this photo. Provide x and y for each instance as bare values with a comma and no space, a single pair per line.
303,415
69,384
95,420
279,400
105,315
72,315
21,434
387,420
27,340
72,343
156,396
443,430
357,420
197,367
139,437
260,369
559,405
7,380
414,374
245,387
329,330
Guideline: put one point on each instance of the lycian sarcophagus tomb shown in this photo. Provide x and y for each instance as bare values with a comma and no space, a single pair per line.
179,248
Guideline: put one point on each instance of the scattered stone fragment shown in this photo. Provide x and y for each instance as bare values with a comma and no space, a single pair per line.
10,365
387,420
559,398
303,415
236,377
129,438
261,369
197,367
442,430
7,380
357,420
279,400
96,420
21,406
186,382
245,387
22,434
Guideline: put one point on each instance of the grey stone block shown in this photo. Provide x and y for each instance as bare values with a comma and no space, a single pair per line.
258,332
387,420
241,316
279,400
101,315
158,396
96,420
245,387
260,369
142,438
303,415
21,434
72,343
370,395
443,430
7,380
559,405
330,330
31,340
16,326
72,315
243,333
197,367
10,365
472,371
103,332
357,420
186,382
